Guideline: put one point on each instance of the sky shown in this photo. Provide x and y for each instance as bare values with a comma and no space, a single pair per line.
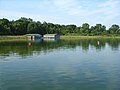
106,12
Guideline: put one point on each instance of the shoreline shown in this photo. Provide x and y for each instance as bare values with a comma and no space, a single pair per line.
23,37
13,38
88,37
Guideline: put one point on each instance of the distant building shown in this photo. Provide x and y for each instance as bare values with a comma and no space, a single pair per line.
34,36
51,37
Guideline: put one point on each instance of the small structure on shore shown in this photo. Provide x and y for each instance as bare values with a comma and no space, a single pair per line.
51,37
34,36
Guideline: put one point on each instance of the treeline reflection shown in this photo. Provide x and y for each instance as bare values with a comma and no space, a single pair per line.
28,48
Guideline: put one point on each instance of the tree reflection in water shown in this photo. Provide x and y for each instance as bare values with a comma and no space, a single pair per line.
28,48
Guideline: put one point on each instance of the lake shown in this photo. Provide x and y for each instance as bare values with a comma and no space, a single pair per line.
76,64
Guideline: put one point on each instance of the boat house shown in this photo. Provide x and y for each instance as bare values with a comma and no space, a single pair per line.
51,37
34,36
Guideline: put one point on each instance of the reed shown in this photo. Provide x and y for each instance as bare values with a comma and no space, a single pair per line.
9,38
87,37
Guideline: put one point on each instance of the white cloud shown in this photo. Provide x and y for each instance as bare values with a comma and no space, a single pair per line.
71,7
109,8
71,11
109,3
37,17
105,12
109,12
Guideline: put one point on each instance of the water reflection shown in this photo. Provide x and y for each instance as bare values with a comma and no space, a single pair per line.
28,48
82,64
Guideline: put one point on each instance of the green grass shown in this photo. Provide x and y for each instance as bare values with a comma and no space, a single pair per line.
85,37
11,38
23,37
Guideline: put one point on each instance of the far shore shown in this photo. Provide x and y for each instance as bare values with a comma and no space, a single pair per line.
13,38
23,37
87,37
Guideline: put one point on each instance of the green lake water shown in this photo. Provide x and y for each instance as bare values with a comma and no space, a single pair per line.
78,64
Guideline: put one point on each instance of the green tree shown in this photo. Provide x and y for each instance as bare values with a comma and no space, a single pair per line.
85,29
114,29
27,25
99,29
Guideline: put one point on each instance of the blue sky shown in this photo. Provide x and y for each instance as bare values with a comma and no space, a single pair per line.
77,12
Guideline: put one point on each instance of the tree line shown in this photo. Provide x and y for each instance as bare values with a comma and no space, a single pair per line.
28,26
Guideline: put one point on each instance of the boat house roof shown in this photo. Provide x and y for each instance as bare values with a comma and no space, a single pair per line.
50,34
33,35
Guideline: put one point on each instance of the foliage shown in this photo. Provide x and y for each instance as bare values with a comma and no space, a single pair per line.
26,26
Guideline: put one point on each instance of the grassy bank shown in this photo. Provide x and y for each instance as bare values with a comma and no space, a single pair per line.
23,37
86,37
11,38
